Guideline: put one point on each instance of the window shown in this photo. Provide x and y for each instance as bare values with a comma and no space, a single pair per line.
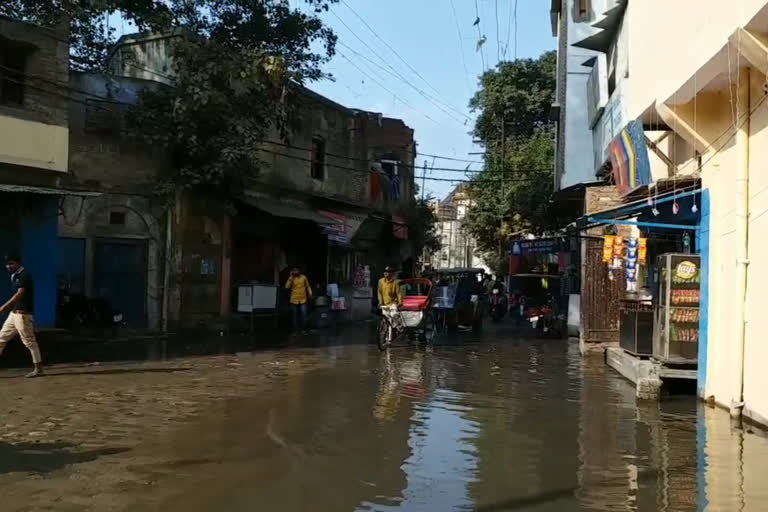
117,218
317,162
583,9
390,168
13,63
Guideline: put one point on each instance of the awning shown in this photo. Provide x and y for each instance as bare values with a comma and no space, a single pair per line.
287,210
657,214
46,191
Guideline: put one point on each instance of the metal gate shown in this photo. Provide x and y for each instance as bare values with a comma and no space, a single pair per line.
121,277
600,297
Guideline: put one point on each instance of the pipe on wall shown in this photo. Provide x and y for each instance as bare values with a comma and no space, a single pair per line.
742,233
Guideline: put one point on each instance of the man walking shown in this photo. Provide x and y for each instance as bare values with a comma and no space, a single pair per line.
21,308
301,292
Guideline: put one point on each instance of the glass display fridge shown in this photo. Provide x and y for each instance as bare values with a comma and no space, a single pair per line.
676,333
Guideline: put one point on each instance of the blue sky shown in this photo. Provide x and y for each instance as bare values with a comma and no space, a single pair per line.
425,34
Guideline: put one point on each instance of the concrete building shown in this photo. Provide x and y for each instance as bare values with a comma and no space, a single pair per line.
694,78
571,22
330,199
112,246
458,249
34,146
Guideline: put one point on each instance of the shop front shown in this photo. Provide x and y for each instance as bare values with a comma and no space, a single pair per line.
651,249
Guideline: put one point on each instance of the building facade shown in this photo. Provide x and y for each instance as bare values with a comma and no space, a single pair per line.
34,75
458,248
330,198
697,89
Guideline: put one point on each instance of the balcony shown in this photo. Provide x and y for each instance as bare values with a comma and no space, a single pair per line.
32,144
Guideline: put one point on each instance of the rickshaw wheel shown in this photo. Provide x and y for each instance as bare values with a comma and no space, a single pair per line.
381,335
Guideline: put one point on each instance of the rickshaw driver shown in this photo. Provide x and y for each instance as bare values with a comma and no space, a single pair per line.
389,292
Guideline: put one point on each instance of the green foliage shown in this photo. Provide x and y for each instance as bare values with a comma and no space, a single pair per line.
519,92
232,75
422,226
512,194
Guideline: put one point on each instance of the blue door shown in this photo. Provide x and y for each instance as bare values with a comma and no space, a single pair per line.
121,278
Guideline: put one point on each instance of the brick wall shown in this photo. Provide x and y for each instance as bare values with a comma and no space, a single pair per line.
46,73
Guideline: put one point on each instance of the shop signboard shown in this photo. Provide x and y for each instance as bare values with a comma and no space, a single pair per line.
536,246
343,226
629,158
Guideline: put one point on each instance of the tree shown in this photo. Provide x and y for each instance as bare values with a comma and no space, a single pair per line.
422,227
512,194
520,93
234,73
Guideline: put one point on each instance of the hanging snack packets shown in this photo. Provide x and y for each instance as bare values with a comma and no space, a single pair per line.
607,248
631,249
618,252
642,250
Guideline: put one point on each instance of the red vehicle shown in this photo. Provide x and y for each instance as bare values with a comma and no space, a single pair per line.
414,319
545,319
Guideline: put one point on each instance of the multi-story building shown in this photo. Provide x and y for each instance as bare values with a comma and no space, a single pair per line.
687,85
331,199
457,248
34,145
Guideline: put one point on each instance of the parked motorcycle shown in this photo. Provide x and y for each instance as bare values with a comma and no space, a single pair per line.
498,305
76,310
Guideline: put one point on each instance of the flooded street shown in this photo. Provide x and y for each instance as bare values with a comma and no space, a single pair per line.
488,424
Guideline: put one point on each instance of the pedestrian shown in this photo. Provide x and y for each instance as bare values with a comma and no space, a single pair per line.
20,308
301,292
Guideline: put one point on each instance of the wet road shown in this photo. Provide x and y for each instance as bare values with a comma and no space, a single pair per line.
489,424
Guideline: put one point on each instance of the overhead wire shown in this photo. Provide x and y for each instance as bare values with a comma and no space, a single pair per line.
369,171
480,42
461,46
99,97
395,52
404,102
445,108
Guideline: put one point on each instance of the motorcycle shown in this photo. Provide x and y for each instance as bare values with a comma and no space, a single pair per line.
498,305
544,320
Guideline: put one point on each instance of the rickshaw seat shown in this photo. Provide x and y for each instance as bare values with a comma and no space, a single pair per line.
415,302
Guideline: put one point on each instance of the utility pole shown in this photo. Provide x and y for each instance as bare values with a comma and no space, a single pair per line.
424,180
503,197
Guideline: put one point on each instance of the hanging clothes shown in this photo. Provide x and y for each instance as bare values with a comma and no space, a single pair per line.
375,186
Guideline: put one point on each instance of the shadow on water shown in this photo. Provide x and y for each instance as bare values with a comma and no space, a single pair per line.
46,457
527,501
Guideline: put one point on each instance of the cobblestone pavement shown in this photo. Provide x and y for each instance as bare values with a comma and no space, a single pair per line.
492,423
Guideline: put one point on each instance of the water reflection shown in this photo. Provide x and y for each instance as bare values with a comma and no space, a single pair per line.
495,424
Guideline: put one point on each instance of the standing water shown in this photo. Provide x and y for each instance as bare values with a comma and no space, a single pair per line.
489,425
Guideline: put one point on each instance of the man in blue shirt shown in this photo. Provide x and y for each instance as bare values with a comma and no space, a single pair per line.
21,307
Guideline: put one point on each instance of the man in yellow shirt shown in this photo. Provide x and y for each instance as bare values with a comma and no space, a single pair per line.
389,290
301,292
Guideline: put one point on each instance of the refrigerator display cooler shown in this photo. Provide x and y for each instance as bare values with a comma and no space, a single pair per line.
676,336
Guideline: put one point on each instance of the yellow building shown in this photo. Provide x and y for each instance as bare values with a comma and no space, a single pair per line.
698,69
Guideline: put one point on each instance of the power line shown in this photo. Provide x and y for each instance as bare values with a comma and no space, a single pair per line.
461,46
480,42
404,102
427,96
422,177
450,158
414,70
290,146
